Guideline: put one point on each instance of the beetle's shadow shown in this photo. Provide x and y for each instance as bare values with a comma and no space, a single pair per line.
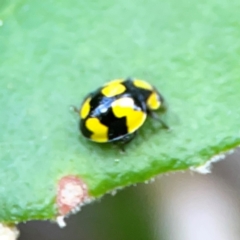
98,147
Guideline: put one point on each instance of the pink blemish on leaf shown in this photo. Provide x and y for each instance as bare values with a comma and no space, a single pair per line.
72,193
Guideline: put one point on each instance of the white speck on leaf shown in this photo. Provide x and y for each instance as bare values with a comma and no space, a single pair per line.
8,232
60,221
206,168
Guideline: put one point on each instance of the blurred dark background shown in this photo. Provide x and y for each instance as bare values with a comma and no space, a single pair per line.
180,206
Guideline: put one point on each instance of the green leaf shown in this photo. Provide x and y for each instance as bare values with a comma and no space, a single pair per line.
53,53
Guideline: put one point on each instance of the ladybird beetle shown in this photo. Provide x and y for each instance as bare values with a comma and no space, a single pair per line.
115,111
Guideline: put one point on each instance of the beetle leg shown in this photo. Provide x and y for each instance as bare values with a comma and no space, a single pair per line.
120,147
125,140
156,117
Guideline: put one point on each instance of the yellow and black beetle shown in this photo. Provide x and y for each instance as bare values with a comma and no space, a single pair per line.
115,111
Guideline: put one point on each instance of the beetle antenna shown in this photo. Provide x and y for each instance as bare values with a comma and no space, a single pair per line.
74,108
